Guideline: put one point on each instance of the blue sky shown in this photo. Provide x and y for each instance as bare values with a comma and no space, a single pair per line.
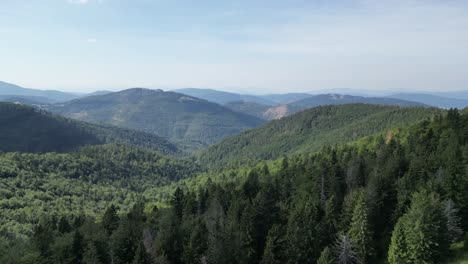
256,46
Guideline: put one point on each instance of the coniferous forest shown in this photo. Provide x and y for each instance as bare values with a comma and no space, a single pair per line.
233,132
395,196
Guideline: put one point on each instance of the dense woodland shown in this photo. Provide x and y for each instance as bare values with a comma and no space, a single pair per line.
308,131
181,118
397,197
28,129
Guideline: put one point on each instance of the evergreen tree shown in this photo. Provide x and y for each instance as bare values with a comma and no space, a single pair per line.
420,235
344,250
275,246
178,202
141,256
110,220
64,226
90,255
398,252
326,257
453,221
195,249
359,231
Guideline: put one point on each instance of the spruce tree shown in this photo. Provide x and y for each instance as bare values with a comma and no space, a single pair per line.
326,257
344,250
275,246
110,220
398,251
360,232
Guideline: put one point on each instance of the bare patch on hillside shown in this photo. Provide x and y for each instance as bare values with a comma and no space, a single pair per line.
276,112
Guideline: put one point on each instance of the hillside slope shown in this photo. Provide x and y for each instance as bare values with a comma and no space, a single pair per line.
333,99
282,110
56,96
249,108
27,129
171,115
221,97
429,99
307,131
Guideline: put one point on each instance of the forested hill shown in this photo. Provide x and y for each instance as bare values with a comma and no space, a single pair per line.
27,129
379,200
84,181
179,117
333,99
281,110
307,131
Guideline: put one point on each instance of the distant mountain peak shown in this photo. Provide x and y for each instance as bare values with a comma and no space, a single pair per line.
171,115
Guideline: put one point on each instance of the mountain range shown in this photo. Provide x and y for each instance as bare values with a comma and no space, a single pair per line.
287,189
438,99
175,116
8,89
282,110
435,100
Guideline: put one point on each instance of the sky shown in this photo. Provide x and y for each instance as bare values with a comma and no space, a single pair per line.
256,46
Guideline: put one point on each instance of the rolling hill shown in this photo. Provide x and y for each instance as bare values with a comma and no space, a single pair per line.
286,97
24,99
27,129
221,97
309,130
434,100
54,96
178,117
282,110
249,108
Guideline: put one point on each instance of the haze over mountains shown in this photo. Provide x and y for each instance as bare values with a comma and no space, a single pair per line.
438,99
171,115
52,95
195,118
69,163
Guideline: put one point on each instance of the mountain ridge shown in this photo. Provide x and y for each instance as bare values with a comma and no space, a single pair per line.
29,129
310,129
178,117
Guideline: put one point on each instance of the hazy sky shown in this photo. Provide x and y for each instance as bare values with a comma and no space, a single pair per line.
250,45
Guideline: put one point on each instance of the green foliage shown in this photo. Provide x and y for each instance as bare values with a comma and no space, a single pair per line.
30,130
191,121
360,232
52,184
249,108
56,208
308,131
420,235
326,257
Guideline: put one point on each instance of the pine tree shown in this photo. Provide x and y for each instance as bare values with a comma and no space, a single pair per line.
90,255
344,250
326,257
197,245
77,248
398,251
420,235
453,221
141,257
178,202
275,246
359,231
110,220
64,226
